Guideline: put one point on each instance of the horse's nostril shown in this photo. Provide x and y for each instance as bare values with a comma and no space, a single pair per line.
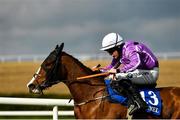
31,86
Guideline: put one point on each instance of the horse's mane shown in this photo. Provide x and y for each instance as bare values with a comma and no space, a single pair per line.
78,62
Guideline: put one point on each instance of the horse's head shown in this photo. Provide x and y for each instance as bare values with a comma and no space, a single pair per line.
46,75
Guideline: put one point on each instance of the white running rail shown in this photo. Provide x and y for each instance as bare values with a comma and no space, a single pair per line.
36,101
101,56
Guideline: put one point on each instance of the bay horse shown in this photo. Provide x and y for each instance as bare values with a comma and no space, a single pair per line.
90,98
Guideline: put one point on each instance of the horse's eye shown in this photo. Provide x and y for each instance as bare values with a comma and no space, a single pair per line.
48,66
49,63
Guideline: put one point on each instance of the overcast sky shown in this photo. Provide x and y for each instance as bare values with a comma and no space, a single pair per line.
36,26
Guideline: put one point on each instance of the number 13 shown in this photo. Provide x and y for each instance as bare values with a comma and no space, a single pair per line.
152,95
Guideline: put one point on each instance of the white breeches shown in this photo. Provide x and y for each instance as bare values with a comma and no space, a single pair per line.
140,77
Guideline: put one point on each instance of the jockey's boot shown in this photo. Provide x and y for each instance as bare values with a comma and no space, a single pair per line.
134,96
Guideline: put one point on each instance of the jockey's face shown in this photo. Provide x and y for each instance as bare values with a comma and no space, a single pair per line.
114,53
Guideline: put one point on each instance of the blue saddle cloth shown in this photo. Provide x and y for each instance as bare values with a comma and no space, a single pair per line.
150,96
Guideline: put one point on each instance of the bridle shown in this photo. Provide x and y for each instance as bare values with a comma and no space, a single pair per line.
38,86
52,75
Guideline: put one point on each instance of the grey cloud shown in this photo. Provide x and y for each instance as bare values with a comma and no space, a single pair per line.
35,26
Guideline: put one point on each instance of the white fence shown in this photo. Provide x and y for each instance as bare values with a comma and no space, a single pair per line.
36,58
34,101
102,56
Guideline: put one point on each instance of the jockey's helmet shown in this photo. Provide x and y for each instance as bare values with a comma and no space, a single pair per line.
111,40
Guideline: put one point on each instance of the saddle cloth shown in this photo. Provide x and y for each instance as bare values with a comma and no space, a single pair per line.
150,96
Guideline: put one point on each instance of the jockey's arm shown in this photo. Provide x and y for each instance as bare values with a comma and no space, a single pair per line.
126,67
116,70
131,63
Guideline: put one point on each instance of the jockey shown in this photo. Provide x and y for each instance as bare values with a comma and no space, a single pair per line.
133,65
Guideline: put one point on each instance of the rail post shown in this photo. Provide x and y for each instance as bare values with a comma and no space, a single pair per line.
55,113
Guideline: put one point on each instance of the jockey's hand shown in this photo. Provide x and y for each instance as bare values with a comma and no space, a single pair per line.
112,74
96,68
111,77
112,71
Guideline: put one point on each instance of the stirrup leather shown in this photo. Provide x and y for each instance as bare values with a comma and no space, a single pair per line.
136,107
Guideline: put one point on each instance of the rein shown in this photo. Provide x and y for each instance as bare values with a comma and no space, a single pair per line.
84,81
87,81
94,75
53,78
91,100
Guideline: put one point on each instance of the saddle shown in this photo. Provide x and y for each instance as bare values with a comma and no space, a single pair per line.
150,95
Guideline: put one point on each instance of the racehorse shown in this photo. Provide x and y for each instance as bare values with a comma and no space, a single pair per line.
90,97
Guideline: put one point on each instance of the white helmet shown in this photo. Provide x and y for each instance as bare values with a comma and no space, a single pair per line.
111,40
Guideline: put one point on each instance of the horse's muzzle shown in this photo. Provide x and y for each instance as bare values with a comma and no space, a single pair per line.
35,89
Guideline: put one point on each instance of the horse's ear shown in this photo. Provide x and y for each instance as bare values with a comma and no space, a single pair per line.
56,46
61,46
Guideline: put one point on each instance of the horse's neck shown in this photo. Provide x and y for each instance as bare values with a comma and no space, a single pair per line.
74,67
84,89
